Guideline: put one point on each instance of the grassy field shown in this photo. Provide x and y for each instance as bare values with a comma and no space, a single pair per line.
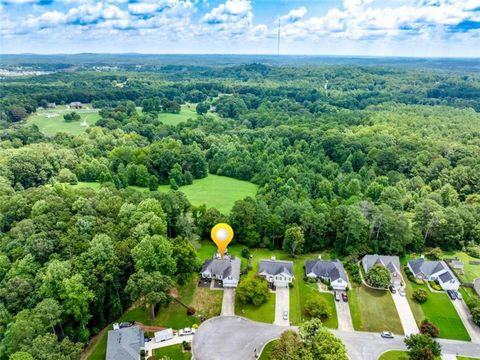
439,310
471,272
219,192
173,352
51,121
373,310
187,112
466,358
266,350
394,355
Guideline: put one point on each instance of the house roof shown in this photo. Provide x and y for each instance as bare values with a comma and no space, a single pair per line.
328,269
457,262
125,344
225,267
275,267
428,268
392,263
446,276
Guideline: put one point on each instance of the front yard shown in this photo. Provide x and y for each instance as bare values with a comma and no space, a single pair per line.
173,352
373,310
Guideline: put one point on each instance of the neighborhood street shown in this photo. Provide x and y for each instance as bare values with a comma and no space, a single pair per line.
228,302
246,337
282,303
466,317
405,313
344,315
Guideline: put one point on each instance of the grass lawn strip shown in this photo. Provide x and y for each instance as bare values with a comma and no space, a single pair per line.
173,352
267,349
471,272
394,355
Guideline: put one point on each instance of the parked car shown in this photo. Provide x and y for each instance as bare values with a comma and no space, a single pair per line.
459,295
186,331
345,297
452,294
285,315
401,291
386,335
126,324
337,297
392,289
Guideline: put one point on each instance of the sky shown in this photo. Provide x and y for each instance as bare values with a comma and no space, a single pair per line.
421,28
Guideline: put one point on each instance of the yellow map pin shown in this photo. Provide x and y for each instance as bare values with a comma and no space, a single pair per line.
221,235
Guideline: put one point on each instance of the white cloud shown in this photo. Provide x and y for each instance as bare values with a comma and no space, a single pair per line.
234,17
295,14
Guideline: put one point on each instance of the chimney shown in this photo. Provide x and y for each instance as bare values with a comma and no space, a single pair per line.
422,256
273,258
320,257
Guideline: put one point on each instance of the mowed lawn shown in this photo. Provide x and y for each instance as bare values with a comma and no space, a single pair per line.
188,111
205,301
267,349
51,121
471,272
173,352
373,310
394,355
215,191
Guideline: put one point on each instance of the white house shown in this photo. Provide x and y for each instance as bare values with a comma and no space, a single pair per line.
332,271
392,263
279,273
227,270
434,271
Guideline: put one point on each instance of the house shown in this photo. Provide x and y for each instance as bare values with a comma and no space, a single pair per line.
476,286
434,271
51,105
392,263
227,270
75,105
125,343
332,271
278,273
457,265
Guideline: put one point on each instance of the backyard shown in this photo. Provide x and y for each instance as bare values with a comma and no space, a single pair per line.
470,271
373,310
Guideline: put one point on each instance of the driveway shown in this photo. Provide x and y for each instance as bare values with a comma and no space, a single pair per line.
405,313
236,338
464,313
343,314
282,303
228,302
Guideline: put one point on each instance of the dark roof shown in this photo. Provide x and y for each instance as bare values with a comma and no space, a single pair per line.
446,276
426,267
392,263
274,267
225,267
125,344
327,269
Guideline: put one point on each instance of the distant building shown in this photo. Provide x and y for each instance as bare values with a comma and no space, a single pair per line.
125,343
392,263
51,105
434,271
476,286
278,273
227,270
331,271
457,265
76,105
213,108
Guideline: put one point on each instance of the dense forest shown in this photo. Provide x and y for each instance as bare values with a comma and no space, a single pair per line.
358,159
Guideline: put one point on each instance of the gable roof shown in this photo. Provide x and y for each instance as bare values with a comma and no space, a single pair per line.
428,268
275,267
392,263
125,344
328,269
446,276
225,267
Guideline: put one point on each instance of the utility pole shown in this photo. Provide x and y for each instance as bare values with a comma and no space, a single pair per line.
278,39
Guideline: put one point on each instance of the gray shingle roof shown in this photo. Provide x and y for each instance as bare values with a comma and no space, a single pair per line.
225,267
125,344
327,269
274,267
426,267
446,276
392,263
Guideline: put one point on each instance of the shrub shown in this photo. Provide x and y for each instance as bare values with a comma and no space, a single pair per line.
253,291
317,307
195,326
191,311
473,250
428,328
246,253
354,272
422,347
420,296
186,345
378,276
435,286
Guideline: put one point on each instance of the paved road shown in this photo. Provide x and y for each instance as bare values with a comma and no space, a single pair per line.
233,338
405,313
228,302
343,313
464,313
236,338
282,303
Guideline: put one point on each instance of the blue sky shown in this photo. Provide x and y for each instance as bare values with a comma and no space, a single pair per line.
320,27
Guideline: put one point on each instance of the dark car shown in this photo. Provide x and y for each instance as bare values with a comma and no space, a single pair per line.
452,294
345,297
337,297
126,324
392,289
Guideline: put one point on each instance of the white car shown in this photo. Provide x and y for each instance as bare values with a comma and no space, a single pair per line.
285,315
459,295
186,331
386,335
401,291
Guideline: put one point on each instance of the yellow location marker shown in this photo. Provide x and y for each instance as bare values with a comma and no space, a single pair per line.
221,235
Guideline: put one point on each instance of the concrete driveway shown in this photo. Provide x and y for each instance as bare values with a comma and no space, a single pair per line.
282,303
228,302
464,313
405,313
343,314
